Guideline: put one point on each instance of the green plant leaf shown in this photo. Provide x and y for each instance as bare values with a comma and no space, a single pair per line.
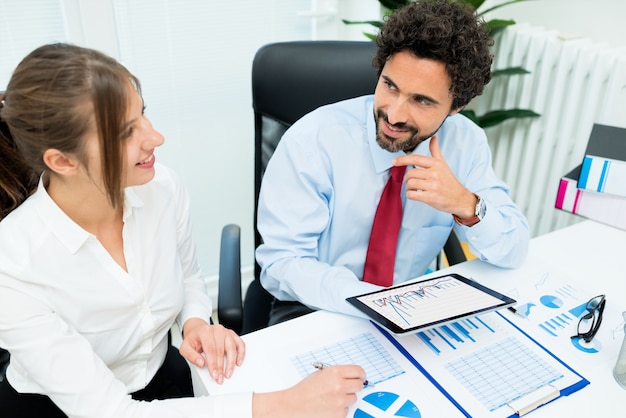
495,26
509,71
500,5
393,4
370,36
496,117
375,23
499,23
475,3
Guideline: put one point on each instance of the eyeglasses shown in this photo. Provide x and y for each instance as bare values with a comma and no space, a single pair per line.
590,322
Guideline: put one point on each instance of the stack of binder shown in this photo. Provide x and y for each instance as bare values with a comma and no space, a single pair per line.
596,189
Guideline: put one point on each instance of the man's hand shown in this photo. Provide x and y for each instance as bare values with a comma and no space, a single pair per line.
432,182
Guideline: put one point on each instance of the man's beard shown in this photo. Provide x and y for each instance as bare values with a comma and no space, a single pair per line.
398,144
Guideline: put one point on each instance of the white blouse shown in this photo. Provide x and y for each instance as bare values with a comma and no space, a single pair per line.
83,331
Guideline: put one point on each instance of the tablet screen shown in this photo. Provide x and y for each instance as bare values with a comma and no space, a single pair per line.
428,303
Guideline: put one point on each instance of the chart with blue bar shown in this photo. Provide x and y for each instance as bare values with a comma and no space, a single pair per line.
452,336
490,360
555,308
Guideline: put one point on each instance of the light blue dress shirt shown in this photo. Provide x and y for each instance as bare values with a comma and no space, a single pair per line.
320,192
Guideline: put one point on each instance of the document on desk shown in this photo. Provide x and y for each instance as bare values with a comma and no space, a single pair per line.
479,366
491,367
395,387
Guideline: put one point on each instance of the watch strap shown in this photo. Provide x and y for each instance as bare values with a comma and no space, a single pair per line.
479,212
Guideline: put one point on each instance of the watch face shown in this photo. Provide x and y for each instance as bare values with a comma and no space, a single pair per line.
481,208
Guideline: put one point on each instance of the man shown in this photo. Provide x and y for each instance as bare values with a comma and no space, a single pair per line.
321,189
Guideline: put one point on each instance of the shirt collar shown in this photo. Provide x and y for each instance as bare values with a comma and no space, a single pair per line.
68,232
131,201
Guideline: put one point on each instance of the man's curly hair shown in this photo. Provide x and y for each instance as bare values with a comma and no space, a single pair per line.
446,31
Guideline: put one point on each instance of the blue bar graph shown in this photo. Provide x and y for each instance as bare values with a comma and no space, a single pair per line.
452,336
561,323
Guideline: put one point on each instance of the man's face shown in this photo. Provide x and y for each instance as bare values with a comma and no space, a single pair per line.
411,101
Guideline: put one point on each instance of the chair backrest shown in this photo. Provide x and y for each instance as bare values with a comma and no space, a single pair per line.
290,79
4,363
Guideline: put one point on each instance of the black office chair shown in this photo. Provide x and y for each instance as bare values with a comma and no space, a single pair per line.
4,362
290,79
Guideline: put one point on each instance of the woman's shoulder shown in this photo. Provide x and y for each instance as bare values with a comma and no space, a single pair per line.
21,232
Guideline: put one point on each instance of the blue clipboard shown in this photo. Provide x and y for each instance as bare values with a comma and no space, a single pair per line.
522,405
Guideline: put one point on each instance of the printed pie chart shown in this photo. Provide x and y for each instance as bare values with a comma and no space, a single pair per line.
551,301
387,402
591,347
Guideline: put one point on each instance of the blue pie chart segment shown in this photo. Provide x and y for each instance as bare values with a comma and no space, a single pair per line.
592,347
383,401
551,301
408,410
359,413
579,310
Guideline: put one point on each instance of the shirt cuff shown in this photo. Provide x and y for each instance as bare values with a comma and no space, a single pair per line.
233,405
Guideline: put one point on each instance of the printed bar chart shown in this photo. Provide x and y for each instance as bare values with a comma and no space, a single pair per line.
450,337
502,372
363,350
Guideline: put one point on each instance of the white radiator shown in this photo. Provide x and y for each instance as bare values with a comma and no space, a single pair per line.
573,84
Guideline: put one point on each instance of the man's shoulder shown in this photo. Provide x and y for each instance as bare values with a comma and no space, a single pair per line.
463,121
348,111
459,126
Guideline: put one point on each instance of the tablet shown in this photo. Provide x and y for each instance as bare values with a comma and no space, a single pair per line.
418,306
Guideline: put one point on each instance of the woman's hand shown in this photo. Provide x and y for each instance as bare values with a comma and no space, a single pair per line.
326,393
213,346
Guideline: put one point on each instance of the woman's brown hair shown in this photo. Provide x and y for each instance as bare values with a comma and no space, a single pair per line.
48,104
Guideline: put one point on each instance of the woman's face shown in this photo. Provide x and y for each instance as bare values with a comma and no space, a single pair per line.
139,140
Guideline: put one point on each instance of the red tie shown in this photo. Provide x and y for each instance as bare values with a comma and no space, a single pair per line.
381,252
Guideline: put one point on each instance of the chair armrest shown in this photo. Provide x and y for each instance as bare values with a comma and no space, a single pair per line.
4,363
453,250
229,301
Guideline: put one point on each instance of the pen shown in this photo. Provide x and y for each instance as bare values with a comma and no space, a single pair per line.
516,312
319,366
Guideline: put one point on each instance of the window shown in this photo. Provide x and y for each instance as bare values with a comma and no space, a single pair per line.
194,61
25,25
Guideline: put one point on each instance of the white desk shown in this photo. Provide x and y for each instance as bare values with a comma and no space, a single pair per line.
588,254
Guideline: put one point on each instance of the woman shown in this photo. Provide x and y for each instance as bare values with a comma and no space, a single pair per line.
97,260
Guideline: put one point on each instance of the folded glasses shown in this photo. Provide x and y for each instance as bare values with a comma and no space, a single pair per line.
590,322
